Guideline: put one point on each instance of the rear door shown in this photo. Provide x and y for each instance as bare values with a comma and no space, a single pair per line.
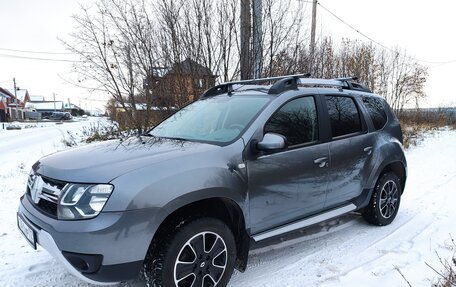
350,148
288,185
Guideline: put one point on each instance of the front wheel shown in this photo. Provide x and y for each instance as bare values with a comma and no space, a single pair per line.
385,200
201,252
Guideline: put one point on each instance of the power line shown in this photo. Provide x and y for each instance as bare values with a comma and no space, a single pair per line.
40,59
378,43
94,100
36,52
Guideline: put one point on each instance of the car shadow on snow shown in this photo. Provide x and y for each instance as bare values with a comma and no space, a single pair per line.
274,245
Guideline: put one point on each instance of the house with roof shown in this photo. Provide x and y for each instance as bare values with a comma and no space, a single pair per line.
180,84
22,96
5,100
74,110
46,108
167,89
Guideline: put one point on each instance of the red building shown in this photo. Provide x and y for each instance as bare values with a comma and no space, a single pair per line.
5,99
22,97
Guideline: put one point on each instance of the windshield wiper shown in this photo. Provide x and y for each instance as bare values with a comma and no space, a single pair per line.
171,138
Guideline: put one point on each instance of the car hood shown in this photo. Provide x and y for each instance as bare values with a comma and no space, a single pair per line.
102,162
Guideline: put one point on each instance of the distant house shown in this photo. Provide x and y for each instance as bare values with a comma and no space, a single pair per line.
166,90
5,99
22,97
185,81
73,109
46,108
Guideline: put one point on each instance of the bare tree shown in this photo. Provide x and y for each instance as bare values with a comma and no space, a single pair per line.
125,47
116,52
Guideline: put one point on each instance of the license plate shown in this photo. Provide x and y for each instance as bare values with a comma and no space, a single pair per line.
27,231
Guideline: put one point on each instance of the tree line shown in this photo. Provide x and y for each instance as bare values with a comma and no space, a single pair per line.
123,43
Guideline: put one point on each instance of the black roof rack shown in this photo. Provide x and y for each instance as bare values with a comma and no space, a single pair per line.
290,82
228,86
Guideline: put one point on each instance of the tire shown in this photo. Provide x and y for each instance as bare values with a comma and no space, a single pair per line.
183,257
385,200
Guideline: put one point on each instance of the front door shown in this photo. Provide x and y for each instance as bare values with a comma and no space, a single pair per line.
290,184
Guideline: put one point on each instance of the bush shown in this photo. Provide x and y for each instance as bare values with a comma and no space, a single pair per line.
96,132
448,275
415,123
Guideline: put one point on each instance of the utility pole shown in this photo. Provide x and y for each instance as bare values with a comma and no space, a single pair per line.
54,102
246,34
15,98
257,39
312,34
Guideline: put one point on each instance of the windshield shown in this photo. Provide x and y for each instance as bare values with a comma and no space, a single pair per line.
218,119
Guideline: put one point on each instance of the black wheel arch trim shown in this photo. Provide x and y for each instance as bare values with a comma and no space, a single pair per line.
396,165
233,201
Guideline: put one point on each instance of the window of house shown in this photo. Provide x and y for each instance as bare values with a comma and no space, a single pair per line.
376,109
343,115
296,120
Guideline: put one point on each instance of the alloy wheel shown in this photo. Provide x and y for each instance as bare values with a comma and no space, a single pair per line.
201,261
389,197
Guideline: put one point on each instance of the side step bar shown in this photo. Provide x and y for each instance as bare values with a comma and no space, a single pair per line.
305,222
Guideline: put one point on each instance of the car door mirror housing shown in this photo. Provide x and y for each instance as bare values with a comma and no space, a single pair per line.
272,142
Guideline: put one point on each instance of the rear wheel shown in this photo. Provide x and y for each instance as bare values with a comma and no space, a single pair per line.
201,252
385,200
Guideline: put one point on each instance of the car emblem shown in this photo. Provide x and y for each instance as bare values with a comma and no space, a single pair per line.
37,188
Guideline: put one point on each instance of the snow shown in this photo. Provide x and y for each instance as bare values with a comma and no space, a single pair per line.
20,94
51,105
344,251
4,97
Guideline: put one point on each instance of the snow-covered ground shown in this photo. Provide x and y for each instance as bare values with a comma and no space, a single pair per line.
341,252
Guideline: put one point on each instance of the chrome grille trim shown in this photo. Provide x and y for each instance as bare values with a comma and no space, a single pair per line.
45,192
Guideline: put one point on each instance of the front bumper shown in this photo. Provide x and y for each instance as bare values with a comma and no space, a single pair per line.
106,249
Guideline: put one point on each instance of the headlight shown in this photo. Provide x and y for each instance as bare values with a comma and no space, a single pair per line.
82,201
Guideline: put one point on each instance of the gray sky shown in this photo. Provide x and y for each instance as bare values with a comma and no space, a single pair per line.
37,25
425,29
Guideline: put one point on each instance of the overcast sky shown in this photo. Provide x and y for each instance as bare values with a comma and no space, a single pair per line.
425,29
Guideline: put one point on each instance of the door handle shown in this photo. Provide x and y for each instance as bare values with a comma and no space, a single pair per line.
321,162
368,150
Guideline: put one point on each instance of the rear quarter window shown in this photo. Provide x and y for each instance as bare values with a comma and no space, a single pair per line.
376,109
343,116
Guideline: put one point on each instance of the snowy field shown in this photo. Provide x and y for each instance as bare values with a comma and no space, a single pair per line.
340,252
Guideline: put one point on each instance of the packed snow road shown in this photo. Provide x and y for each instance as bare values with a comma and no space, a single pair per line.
341,252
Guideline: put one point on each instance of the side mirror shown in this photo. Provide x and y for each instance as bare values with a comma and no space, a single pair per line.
272,142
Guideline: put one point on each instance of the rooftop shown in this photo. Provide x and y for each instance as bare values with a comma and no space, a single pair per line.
21,94
50,105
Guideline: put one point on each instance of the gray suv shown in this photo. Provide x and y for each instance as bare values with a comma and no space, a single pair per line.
251,160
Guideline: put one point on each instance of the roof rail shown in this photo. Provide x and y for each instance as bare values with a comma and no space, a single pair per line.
344,83
290,82
228,86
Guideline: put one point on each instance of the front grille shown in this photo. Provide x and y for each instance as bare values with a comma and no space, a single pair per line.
44,193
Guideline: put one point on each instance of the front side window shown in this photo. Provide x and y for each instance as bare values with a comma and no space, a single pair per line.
343,115
296,120
217,119
376,110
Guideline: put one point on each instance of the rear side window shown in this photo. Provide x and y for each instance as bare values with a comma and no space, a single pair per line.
296,120
343,115
376,109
